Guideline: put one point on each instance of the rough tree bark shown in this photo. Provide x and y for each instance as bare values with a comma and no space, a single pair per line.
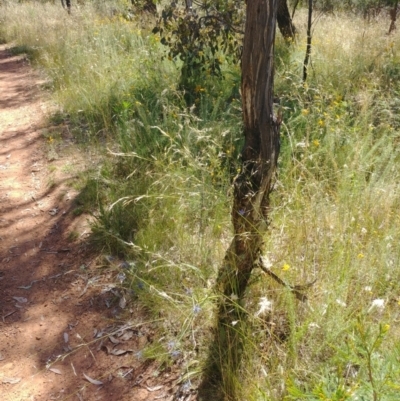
261,131
251,200
285,23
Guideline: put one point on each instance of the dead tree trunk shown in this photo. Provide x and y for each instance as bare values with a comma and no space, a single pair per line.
251,200
285,22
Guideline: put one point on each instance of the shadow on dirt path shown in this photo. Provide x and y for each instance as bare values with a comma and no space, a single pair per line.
61,315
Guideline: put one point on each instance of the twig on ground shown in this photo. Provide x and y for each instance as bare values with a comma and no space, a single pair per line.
9,314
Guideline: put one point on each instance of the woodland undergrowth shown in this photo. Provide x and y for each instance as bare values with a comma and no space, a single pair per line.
161,192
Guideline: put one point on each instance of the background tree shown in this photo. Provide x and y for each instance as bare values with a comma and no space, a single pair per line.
66,4
285,23
309,38
393,16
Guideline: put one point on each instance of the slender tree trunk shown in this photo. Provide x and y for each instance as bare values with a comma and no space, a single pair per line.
294,7
285,22
189,5
251,201
309,38
261,130
393,17
66,4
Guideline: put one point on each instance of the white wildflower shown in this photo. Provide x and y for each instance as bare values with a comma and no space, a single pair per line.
378,304
341,303
266,262
265,306
234,297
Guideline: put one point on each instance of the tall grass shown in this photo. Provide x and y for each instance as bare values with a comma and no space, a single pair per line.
162,193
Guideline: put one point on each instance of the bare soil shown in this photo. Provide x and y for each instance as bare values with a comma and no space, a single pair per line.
62,313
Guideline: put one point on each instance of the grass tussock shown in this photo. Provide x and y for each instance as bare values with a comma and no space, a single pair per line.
162,192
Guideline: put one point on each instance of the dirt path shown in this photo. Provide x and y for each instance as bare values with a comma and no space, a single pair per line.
60,317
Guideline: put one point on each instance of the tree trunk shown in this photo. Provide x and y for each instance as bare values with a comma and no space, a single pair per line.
251,200
261,130
393,17
67,4
189,5
285,22
309,38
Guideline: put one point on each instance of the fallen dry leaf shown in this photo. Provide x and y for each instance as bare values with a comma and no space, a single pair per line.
156,388
118,352
93,381
122,303
108,349
53,211
10,380
127,335
21,300
114,340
